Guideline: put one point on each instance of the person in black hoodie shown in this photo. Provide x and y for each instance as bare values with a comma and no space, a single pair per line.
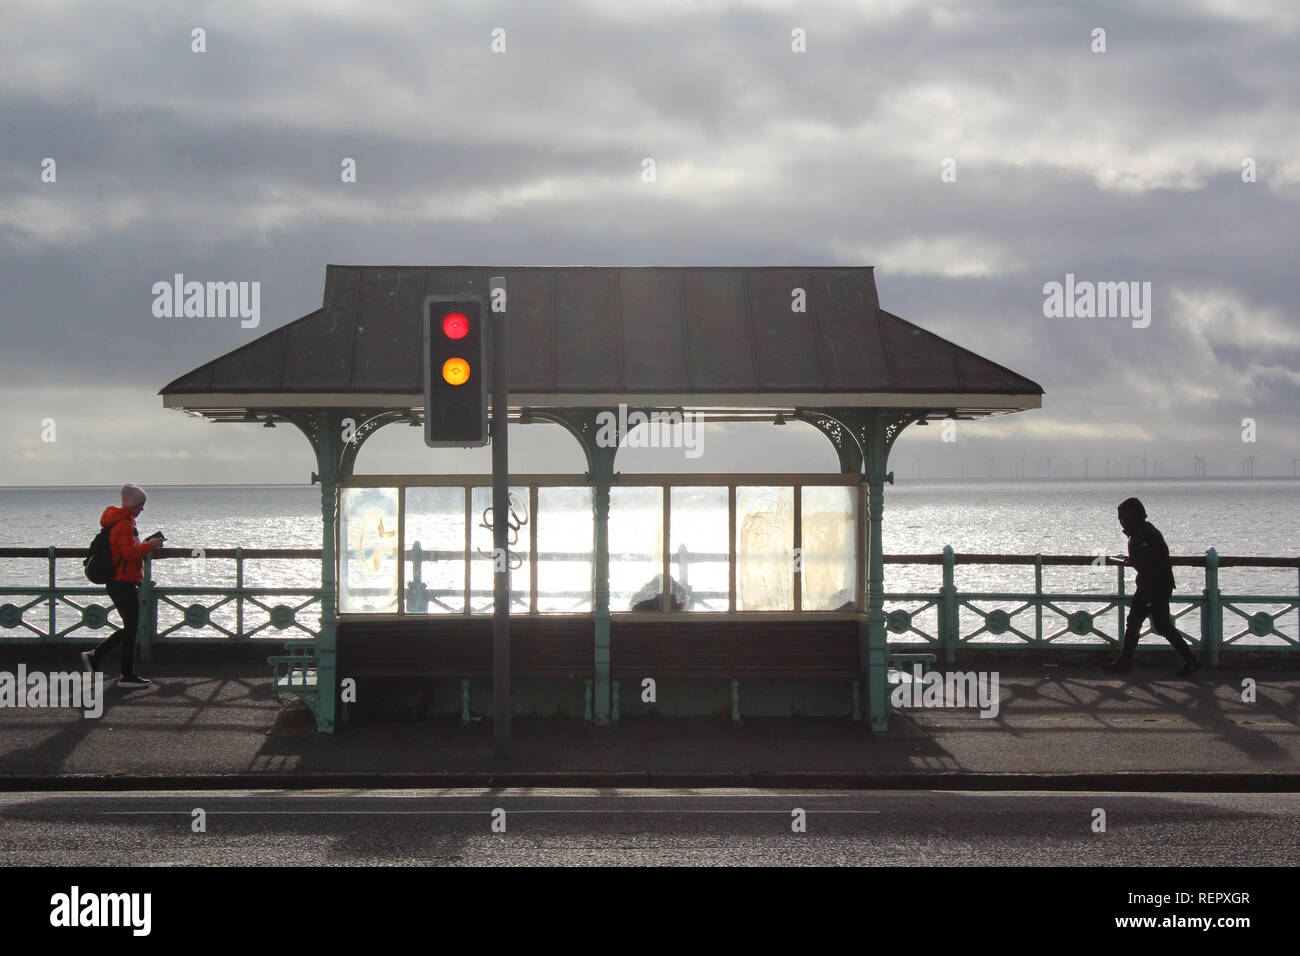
1148,553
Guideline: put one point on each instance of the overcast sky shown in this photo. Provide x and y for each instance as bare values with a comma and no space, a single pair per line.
1123,165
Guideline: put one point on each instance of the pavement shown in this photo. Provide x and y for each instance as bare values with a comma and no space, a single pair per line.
1060,726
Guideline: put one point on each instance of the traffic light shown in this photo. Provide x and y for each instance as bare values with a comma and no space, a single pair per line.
455,371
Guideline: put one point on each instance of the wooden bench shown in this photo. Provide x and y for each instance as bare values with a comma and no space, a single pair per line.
460,647
734,650
672,648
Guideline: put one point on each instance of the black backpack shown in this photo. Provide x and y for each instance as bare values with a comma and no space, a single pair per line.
99,564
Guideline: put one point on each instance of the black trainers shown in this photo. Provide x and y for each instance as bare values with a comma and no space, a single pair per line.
88,661
135,680
1189,668
1118,666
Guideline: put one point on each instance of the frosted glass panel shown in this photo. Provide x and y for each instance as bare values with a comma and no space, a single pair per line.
764,549
698,546
829,561
636,535
480,563
368,550
564,542
435,530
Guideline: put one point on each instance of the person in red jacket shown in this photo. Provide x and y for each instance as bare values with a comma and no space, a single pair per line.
128,574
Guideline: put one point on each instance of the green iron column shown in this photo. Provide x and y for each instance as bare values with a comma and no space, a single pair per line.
597,432
327,441
873,432
602,478
862,440
336,436
877,665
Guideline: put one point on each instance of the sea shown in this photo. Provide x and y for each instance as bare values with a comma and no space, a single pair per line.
1258,517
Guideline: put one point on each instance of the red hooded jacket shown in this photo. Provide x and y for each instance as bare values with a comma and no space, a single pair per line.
128,550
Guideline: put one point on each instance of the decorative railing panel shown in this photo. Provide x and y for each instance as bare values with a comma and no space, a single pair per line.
204,596
273,595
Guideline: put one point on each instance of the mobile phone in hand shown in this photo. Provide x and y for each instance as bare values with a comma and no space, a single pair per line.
157,536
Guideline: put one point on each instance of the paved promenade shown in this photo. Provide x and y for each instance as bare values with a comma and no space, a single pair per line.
1063,726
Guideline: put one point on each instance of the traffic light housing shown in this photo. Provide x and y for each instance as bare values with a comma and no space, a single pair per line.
455,371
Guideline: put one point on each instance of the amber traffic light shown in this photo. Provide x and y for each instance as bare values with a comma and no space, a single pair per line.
455,366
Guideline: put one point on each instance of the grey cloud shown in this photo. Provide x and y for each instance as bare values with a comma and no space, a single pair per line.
226,166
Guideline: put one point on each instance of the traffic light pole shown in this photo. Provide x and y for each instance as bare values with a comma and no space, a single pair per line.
500,521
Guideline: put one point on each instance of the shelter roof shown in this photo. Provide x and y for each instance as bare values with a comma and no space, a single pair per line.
690,337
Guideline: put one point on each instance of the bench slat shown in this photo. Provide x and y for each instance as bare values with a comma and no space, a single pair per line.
564,647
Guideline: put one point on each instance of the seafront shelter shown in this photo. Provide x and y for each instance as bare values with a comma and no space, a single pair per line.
761,593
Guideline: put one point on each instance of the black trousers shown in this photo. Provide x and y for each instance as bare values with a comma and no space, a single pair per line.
1155,606
126,598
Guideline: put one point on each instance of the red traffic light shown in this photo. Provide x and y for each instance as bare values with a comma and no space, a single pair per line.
455,325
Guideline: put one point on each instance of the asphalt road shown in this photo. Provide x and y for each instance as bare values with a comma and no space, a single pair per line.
647,827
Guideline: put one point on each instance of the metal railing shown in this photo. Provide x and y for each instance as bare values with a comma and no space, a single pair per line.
944,619
237,611
1212,619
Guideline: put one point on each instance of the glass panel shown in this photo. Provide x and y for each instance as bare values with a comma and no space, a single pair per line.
435,530
829,562
367,550
636,534
764,549
698,547
564,542
480,565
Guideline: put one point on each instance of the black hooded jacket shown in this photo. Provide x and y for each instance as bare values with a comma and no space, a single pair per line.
1149,555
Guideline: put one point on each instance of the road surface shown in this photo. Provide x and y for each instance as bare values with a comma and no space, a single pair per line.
648,827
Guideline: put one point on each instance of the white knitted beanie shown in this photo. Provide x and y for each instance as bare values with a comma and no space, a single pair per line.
132,495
